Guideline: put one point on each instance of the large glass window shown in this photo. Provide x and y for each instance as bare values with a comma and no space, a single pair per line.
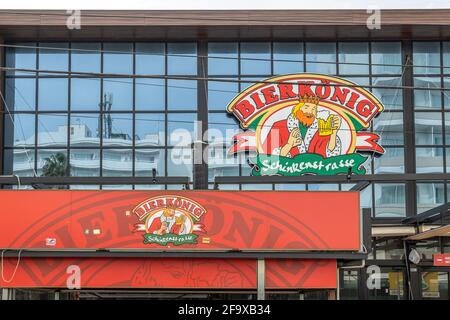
117,129
21,56
51,162
149,130
182,58
392,99
53,56
84,162
150,58
152,120
117,94
117,162
431,128
222,58
85,94
429,95
288,57
86,57
19,130
220,94
255,58
386,57
150,94
321,57
148,159
426,57
182,95
118,58
114,126
53,94
85,129
353,58
20,94
429,196
389,200
52,130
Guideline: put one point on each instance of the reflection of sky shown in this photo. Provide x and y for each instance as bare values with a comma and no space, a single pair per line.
23,129
150,58
220,94
150,94
218,66
119,59
291,51
354,52
182,95
323,52
85,94
50,59
21,94
21,58
84,61
53,94
179,64
256,50
121,91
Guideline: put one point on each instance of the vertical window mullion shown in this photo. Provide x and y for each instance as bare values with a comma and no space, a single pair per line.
409,126
239,90
304,55
202,116
166,118
337,57
100,151
69,109
444,142
36,111
271,58
133,122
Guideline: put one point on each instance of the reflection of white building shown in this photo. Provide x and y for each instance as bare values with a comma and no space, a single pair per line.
220,162
85,153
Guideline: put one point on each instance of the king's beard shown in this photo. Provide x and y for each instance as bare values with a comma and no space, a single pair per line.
305,119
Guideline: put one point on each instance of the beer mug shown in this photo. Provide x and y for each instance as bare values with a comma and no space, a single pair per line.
325,128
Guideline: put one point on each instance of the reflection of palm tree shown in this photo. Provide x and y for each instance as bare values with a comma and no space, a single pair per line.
55,166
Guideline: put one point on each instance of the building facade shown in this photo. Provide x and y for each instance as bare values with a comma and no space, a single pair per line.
155,100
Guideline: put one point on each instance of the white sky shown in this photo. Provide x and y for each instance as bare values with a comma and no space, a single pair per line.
221,4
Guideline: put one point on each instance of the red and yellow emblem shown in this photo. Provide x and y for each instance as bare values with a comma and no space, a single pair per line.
169,219
306,124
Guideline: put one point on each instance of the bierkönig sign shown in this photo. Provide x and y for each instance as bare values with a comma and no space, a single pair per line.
306,124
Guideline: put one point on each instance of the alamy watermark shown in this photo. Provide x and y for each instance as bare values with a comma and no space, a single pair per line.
73,21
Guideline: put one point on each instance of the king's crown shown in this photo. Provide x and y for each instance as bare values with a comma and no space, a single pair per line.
309,99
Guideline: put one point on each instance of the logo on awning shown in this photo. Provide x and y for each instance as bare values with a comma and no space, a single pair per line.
170,219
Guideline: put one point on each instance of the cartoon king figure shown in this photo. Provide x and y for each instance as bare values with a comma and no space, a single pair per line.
306,130
169,222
